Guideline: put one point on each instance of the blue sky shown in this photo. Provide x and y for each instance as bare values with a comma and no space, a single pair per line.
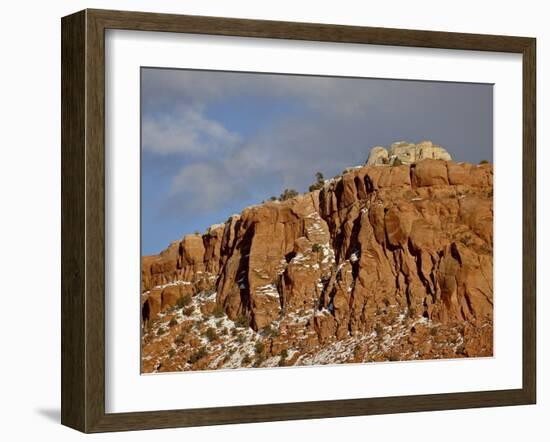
216,142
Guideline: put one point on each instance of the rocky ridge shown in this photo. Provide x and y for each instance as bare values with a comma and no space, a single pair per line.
403,152
383,263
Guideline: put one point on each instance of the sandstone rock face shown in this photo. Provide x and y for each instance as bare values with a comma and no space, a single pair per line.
378,155
403,152
380,248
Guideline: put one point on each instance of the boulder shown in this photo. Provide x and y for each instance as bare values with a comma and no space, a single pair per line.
429,173
404,152
377,156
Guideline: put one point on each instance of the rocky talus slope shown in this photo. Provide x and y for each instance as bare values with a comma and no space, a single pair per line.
383,263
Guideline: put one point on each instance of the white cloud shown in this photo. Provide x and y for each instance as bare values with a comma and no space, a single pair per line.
284,156
186,130
203,187
333,126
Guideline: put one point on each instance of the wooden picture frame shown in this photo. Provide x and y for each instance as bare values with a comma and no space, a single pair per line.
83,220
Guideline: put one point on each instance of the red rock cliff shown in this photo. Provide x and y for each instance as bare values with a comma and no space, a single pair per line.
414,238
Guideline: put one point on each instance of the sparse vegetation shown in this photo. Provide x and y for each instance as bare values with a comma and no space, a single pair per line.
319,183
218,311
270,331
246,360
183,301
211,334
260,358
173,322
161,331
259,347
316,248
397,162
379,329
171,353
484,162
199,354
188,311
242,321
288,194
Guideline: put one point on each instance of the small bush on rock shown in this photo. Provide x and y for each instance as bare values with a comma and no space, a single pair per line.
199,354
218,311
211,334
288,194
242,321
259,347
183,301
316,248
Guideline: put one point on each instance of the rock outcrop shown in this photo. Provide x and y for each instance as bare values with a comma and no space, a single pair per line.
406,153
380,248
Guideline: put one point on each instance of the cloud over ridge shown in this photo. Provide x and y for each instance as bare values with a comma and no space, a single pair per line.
236,138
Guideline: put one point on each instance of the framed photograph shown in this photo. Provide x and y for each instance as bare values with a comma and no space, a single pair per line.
266,221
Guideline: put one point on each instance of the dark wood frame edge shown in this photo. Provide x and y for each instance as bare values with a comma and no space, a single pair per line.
83,234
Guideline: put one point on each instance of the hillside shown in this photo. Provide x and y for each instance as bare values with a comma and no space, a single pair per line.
387,262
